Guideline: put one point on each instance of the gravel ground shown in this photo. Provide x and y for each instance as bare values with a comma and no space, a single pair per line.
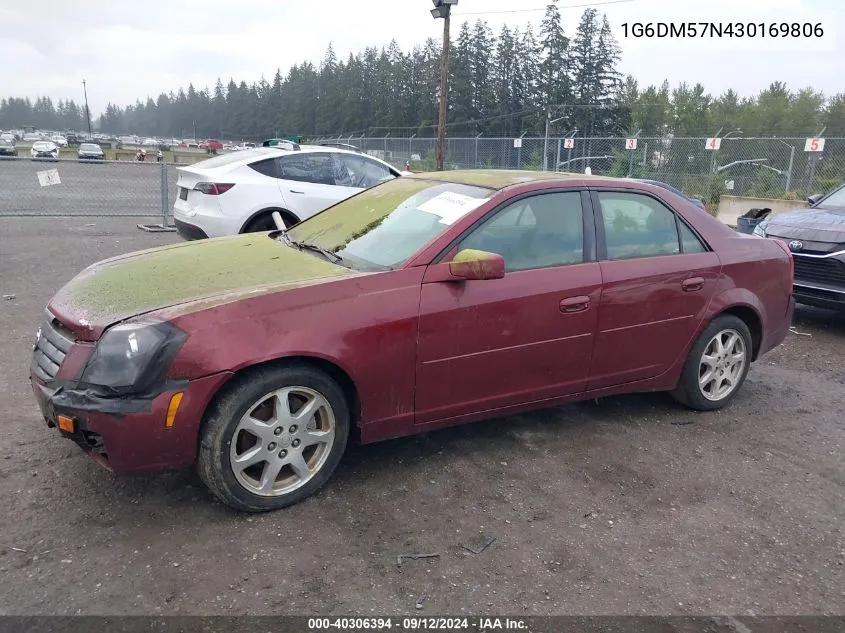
629,505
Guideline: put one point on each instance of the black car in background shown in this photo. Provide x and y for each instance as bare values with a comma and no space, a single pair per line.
90,151
816,237
7,148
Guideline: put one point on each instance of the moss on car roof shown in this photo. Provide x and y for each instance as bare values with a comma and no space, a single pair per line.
498,178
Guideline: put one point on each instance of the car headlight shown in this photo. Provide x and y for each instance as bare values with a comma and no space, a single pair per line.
760,229
133,355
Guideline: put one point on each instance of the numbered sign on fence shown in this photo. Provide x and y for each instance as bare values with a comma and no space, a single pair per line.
713,143
815,144
517,142
630,143
568,143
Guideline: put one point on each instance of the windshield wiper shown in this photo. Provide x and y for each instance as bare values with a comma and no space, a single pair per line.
311,247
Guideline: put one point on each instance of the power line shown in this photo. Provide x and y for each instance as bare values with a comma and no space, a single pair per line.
568,6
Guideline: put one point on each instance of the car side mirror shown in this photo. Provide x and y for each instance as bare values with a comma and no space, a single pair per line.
475,265
814,198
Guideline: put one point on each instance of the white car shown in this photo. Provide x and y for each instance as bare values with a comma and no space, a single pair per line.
44,149
238,192
149,142
59,140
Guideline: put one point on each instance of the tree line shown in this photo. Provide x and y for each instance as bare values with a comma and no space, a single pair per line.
500,85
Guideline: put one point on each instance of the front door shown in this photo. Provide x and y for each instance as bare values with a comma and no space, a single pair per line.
657,277
528,336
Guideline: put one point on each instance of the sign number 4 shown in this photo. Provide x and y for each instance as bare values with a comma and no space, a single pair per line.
713,143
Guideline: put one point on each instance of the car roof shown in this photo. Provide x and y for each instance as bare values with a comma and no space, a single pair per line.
501,178
247,156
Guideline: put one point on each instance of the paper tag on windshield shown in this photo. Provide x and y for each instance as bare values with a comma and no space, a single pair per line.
450,206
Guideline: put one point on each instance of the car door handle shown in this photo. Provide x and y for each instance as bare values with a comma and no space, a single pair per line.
692,284
296,191
574,304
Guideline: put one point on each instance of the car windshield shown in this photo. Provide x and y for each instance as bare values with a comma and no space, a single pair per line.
89,147
380,228
836,199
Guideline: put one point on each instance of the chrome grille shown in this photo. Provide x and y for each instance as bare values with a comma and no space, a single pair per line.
52,346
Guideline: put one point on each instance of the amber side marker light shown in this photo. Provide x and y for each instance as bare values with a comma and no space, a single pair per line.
172,408
65,423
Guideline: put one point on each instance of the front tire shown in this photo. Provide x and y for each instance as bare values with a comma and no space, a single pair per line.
717,365
274,438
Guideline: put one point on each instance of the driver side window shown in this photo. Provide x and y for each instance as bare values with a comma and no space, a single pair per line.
359,171
536,232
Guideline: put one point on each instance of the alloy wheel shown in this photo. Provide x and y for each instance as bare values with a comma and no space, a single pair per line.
722,365
282,441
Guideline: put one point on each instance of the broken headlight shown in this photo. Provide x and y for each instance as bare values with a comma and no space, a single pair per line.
133,355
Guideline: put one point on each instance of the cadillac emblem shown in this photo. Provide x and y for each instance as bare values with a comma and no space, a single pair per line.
795,245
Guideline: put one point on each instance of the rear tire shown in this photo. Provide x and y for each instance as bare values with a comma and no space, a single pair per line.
264,222
274,437
716,366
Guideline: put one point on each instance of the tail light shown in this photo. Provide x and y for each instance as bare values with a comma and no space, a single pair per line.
788,252
213,188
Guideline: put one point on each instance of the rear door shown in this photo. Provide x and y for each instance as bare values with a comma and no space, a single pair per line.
658,277
308,183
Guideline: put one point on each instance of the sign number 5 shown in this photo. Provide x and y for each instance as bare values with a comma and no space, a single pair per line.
814,144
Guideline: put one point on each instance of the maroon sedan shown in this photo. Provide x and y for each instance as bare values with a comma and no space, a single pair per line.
425,302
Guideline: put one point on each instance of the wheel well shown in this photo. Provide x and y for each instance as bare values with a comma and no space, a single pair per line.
289,218
337,374
752,320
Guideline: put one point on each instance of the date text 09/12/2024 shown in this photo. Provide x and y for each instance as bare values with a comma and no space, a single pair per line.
672,30
417,624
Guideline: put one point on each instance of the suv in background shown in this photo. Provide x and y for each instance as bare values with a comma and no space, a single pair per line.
238,192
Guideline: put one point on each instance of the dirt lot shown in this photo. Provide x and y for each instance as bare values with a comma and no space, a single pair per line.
631,505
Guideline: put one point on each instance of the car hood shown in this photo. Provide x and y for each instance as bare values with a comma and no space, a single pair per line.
225,268
817,225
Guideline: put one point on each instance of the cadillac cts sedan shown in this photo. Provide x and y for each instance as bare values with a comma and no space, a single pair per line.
424,302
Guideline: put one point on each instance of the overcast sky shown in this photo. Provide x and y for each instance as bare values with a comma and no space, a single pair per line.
128,50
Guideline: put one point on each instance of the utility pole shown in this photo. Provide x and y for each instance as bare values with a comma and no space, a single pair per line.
87,110
443,9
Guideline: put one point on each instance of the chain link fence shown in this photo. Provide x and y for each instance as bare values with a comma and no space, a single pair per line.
759,167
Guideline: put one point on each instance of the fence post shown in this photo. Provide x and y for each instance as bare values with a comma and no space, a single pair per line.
789,169
557,156
165,202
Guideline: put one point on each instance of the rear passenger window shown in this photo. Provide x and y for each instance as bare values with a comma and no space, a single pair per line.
267,167
637,226
689,240
308,167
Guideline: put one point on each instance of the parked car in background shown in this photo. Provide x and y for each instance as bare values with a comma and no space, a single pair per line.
428,301
211,145
238,192
676,191
73,140
150,142
816,237
90,151
59,140
44,149
8,148
8,136
31,137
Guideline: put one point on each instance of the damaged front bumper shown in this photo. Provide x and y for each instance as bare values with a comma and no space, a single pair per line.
126,435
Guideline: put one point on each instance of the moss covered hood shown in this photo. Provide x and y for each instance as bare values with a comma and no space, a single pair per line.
130,285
